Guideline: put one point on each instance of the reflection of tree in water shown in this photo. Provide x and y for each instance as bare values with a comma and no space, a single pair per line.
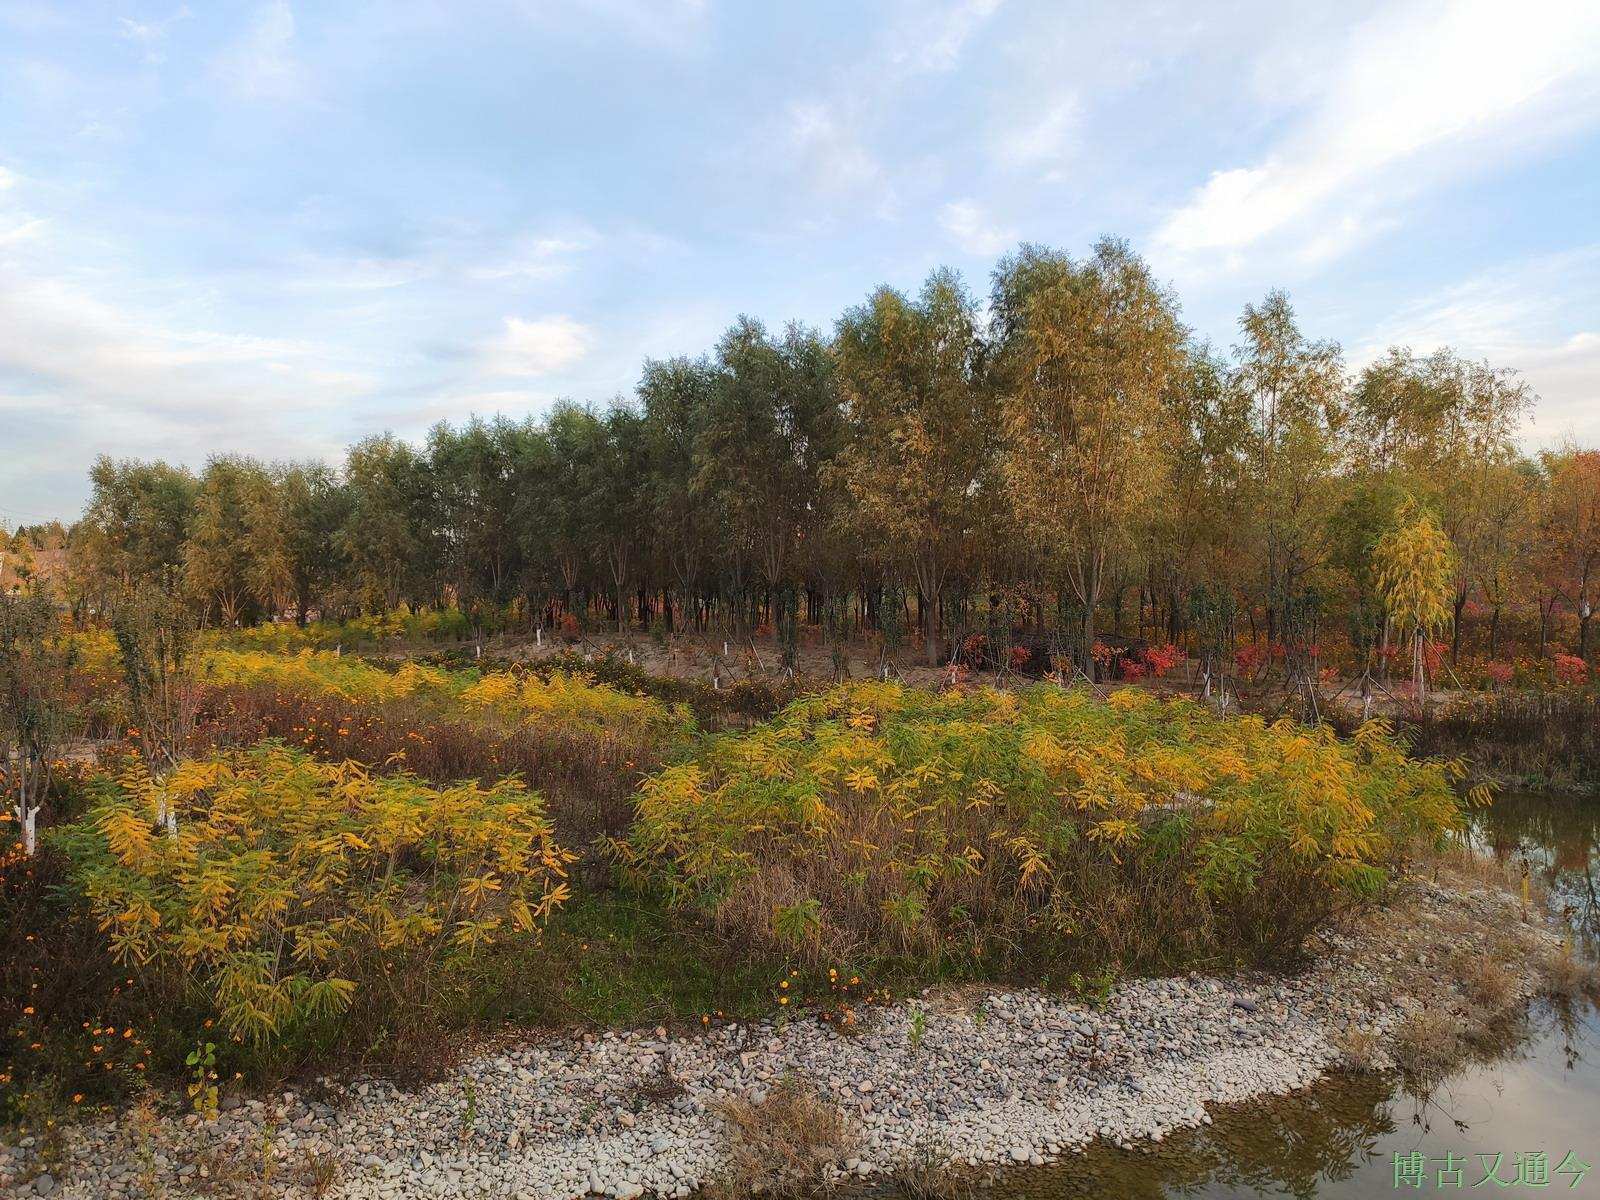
1284,1146
1557,839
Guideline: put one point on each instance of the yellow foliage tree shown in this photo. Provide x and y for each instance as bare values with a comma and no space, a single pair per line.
1415,566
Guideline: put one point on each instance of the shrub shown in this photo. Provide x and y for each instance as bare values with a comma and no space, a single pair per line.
573,702
397,624
1571,671
292,885
320,671
583,744
1022,825
68,1023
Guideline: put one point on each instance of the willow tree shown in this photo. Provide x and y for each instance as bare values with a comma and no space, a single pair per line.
386,535
771,424
676,395
917,469
1415,565
1442,427
237,556
136,522
1087,350
1295,391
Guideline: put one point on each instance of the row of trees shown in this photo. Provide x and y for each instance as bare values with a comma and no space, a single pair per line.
1048,459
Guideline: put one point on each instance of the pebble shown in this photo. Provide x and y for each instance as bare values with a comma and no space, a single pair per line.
1019,1078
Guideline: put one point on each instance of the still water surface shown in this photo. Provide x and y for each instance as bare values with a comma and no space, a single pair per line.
1336,1141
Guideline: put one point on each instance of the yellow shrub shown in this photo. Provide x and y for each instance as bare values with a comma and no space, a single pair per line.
904,816
289,882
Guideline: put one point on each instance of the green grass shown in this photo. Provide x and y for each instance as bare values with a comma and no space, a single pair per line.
622,958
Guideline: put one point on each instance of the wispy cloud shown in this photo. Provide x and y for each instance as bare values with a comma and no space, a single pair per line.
1044,141
973,230
935,40
151,36
261,63
827,146
537,256
1415,97
1539,316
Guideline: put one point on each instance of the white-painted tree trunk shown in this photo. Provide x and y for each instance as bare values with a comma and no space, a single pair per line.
29,821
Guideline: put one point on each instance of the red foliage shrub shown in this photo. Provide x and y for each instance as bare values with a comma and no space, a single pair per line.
1163,658
1571,671
1248,658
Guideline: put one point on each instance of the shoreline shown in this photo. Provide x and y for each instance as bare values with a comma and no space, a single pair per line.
983,1078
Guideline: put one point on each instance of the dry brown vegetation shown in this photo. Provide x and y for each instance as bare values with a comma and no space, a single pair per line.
781,1145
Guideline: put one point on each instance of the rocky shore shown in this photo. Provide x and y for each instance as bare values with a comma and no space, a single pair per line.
966,1079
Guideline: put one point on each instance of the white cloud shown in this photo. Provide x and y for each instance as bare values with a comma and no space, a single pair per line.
261,64
1540,317
1043,142
672,24
822,148
935,40
151,36
538,346
973,230
24,230
1416,96
542,256
824,144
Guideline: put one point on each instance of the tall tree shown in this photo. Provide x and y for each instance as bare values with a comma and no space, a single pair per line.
1087,351
1295,390
1414,567
236,555
136,521
924,425
316,506
1443,427
772,425
676,395
1573,529
388,534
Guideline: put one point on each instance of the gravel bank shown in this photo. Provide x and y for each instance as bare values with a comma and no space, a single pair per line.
990,1079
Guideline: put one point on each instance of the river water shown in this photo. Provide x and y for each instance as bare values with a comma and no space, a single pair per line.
1538,1093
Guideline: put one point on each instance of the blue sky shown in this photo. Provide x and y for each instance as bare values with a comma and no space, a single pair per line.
279,227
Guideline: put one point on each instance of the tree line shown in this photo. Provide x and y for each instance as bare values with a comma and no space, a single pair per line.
1067,457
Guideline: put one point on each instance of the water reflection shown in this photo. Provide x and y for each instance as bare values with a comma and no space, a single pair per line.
1557,840
1537,1088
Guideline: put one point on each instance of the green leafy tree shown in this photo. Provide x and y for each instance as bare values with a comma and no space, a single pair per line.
236,556
136,521
37,714
1087,352
387,535
1295,391
316,506
918,469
